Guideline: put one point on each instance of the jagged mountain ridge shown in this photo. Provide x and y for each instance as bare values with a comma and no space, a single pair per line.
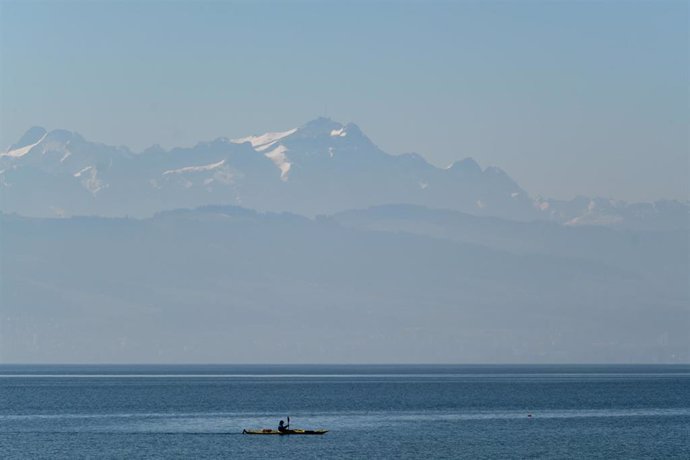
319,168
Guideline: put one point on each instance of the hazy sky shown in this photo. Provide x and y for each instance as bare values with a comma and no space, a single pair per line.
568,97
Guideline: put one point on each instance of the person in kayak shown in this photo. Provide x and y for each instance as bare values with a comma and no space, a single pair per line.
282,427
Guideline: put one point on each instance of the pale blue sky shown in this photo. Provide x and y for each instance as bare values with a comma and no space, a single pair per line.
568,97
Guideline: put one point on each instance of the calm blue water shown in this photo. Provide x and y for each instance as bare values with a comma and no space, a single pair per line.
372,411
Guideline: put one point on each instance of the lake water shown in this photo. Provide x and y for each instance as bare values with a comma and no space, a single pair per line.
372,411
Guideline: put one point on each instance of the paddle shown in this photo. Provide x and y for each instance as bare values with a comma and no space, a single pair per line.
288,425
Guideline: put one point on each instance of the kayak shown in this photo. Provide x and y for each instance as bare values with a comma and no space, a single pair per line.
286,432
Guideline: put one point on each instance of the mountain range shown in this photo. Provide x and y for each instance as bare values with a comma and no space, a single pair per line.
314,245
323,167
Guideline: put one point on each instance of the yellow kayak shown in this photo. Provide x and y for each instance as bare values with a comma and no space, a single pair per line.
286,432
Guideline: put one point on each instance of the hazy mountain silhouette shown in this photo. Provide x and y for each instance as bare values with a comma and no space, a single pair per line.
320,168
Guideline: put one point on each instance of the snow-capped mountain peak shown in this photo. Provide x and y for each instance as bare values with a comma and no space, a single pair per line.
264,141
32,136
21,151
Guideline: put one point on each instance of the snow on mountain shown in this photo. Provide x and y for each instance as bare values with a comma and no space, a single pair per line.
31,137
319,168
189,169
21,151
82,171
267,141
264,141
92,182
659,215
277,156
